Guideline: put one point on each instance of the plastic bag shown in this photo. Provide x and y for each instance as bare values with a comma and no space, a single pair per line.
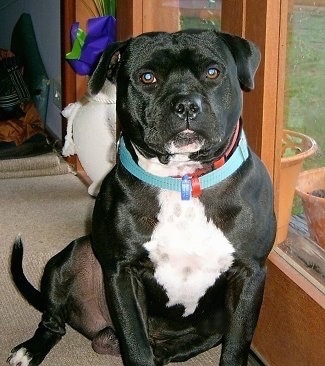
87,47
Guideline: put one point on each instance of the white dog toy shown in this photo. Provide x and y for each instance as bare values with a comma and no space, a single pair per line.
91,134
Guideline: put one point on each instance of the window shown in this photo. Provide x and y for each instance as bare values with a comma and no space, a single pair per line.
200,14
305,112
305,80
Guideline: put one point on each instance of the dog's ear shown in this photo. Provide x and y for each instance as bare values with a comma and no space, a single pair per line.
106,67
247,57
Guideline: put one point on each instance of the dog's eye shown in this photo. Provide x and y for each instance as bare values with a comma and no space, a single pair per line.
213,73
148,78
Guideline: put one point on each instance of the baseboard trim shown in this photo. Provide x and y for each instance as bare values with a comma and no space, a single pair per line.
254,359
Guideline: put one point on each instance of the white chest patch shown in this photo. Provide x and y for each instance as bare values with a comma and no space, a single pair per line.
188,251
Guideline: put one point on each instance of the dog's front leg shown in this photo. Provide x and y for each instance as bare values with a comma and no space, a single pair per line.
243,302
125,297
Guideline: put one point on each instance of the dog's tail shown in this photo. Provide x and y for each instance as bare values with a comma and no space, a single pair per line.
29,292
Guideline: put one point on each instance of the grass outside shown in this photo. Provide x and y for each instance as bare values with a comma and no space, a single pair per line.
198,23
305,86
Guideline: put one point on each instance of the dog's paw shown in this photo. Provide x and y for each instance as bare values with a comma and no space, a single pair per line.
19,357
106,342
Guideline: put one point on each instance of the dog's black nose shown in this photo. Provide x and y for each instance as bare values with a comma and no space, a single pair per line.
187,106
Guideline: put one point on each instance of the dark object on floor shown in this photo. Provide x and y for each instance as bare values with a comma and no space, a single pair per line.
36,145
24,136
18,130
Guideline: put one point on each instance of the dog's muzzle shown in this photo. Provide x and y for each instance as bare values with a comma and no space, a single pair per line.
186,141
186,108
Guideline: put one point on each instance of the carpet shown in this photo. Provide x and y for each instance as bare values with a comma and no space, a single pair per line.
48,212
41,165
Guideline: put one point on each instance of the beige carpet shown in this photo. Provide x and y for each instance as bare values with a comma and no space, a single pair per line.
36,166
48,212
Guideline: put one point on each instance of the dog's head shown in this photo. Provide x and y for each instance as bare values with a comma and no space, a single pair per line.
179,93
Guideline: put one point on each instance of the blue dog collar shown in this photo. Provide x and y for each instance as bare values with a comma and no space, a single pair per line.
185,185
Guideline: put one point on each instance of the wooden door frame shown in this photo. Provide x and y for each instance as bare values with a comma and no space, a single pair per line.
68,76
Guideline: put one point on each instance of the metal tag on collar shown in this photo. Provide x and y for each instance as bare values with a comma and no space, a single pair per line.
186,188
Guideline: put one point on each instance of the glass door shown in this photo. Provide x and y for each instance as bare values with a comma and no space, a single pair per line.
304,111
305,76
204,14
173,15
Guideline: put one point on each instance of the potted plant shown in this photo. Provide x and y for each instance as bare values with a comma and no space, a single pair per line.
296,147
311,189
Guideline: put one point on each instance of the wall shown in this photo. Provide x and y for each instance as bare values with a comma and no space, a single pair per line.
46,20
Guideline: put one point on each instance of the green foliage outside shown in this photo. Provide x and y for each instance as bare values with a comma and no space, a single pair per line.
305,85
197,23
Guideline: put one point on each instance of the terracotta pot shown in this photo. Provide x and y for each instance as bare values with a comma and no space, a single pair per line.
289,170
314,207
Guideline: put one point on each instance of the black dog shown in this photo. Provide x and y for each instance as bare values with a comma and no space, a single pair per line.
183,224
